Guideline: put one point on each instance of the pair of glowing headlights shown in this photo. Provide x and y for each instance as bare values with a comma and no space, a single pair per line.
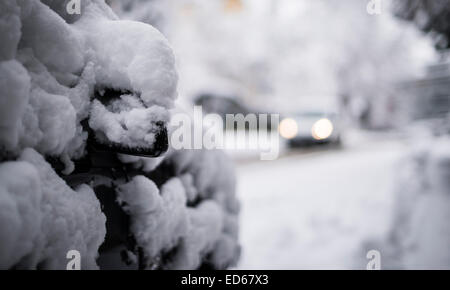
320,130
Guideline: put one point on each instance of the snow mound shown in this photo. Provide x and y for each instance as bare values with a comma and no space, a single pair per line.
15,86
138,58
52,40
158,219
191,219
42,218
52,64
420,233
63,77
10,26
132,127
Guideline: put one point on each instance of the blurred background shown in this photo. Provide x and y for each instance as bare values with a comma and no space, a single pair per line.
364,103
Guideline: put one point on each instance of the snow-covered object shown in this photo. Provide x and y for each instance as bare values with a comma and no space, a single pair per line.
130,55
132,126
57,72
53,62
139,60
9,29
420,235
15,86
41,218
191,220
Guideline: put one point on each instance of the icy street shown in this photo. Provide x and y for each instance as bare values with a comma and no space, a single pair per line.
317,210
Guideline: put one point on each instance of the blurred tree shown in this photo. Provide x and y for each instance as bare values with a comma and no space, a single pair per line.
287,54
335,48
153,12
429,15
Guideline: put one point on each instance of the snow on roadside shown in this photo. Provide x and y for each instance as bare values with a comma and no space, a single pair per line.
420,234
316,211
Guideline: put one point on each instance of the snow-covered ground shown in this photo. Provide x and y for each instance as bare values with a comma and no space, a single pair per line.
318,210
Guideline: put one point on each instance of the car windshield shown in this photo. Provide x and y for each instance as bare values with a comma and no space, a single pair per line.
311,114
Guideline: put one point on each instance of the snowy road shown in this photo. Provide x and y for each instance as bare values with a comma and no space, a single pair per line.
316,210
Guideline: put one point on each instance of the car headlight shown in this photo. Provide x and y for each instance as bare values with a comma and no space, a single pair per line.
322,129
288,128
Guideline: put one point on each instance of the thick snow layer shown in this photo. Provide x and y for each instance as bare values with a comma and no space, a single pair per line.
134,127
158,220
68,58
175,235
41,218
316,210
131,56
327,209
208,177
61,73
51,66
210,180
51,110
52,40
203,231
140,61
15,86
10,26
420,232
20,216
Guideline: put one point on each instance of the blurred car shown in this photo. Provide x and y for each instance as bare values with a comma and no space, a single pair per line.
309,128
228,104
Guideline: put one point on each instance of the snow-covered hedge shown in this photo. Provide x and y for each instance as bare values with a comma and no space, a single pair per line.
52,67
195,212
420,235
